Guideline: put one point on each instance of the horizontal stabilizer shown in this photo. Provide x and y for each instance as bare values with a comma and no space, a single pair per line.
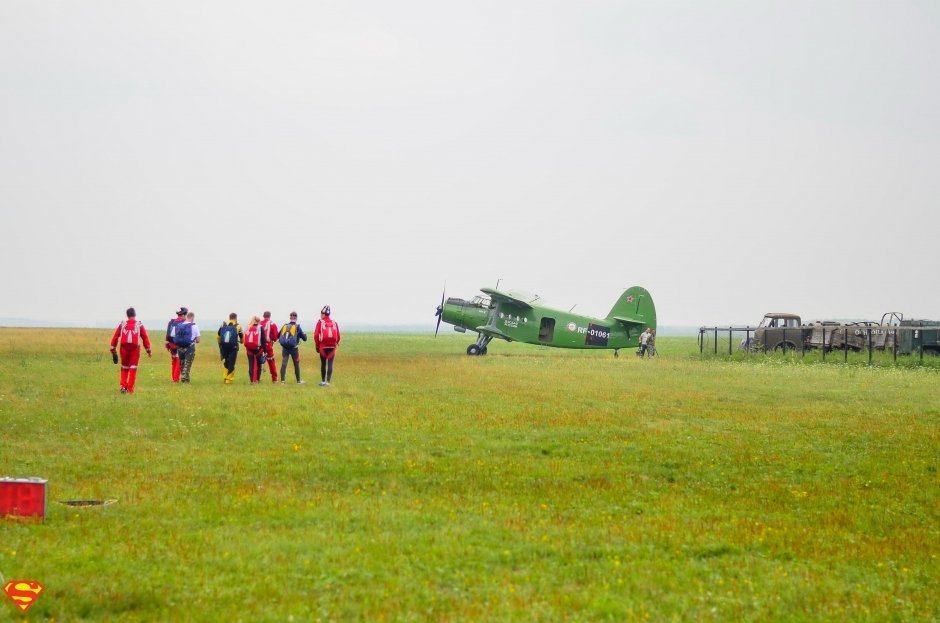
630,322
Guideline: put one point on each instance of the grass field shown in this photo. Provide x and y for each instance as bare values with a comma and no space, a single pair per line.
528,485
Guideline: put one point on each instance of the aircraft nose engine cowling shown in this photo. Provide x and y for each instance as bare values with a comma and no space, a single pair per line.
465,314
453,312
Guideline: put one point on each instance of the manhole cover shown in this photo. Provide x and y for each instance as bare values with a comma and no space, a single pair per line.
87,502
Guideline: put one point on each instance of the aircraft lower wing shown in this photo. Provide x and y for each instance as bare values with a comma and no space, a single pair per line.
492,331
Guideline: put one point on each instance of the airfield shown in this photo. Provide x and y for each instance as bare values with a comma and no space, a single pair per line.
530,484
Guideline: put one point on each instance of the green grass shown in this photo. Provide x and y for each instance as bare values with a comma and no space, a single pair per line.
528,485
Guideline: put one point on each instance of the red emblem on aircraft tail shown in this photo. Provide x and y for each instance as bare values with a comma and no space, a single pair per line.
630,299
23,592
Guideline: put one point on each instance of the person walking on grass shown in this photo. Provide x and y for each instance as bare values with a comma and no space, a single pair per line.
255,343
129,334
170,345
270,335
229,336
289,339
186,337
326,339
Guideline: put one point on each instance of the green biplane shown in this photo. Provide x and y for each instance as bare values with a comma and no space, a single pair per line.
516,317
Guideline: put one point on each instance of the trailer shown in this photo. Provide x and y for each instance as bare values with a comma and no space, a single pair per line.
785,331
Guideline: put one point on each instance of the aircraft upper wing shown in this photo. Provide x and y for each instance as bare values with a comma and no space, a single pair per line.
507,297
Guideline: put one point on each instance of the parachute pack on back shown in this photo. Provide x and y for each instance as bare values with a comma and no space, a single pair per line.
328,332
253,337
228,334
130,332
288,337
184,334
171,329
270,330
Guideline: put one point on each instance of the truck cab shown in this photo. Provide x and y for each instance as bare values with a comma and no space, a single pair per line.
780,331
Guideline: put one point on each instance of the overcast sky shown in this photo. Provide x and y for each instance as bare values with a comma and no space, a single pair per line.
731,157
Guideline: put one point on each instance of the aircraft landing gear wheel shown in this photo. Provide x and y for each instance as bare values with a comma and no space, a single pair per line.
483,350
616,352
473,350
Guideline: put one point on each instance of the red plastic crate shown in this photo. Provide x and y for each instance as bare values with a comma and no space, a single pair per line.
23,497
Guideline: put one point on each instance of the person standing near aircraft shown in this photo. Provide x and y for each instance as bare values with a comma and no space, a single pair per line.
130,333
186,337
644,342
270,335
171,345
255,343
289,339
229,335
326,339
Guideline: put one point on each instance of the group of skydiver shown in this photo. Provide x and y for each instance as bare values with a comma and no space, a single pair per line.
258,338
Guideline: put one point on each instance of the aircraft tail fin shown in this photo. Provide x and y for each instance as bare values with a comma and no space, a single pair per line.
634,308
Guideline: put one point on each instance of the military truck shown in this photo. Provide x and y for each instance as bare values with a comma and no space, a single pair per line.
778,331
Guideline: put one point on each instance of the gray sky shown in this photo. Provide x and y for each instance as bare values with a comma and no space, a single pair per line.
731,157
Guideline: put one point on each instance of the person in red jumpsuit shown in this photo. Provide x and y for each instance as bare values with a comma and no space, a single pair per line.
326,339
270,336
171,345
129,334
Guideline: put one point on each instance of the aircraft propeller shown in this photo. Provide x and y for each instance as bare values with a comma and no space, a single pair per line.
440,312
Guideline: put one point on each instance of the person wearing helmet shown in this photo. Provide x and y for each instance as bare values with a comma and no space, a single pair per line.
326,339
186,337
170,345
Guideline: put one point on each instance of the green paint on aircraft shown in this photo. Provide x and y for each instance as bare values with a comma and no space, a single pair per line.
518,317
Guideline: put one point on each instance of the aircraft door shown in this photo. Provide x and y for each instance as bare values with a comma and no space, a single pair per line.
547,330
